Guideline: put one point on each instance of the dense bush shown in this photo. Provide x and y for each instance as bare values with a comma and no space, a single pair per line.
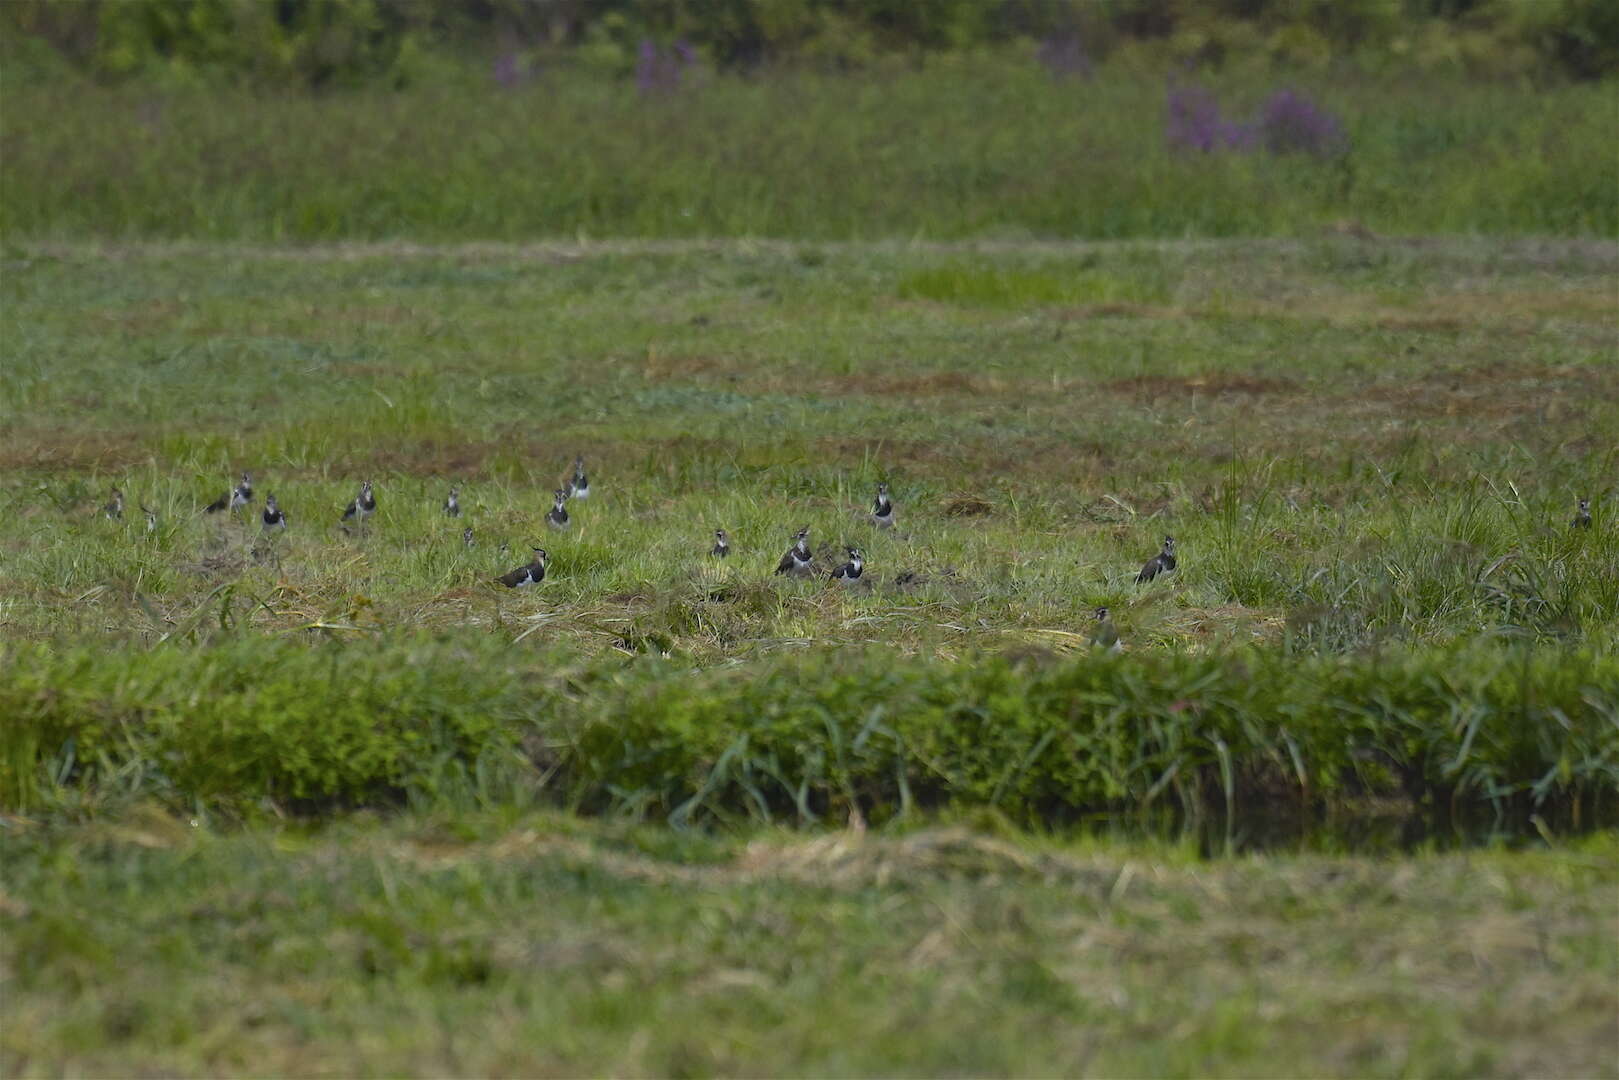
818,737
321,43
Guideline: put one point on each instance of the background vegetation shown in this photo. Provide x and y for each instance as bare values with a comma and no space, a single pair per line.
324,43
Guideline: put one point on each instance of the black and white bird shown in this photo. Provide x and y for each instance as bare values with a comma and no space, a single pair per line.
579,486
557,516
452,505
1582,515
466,537
362,506
1105,635
1161,563
799,560
151,518
722,544
115,508
234,499
882,512
524,576
851,570
273,516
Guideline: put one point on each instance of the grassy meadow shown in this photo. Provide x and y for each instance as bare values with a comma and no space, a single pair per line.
334,801
958,148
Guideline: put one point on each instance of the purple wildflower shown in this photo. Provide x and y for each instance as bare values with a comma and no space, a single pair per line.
1064,56
1195,123
1292,123
508,72
1288,123
658,71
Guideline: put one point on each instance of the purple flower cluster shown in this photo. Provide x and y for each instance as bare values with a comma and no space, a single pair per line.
658,70
1064,56
1292,123
509,71
1194,123
1288,123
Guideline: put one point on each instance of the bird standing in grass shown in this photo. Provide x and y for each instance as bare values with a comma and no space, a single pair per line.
452,505
466,537
1105,635
274,518
579,486
234,499
1161,563
851,570
363,505
882,512
799,560
151,518
722,545
115,508
524,576
557,517
1582,515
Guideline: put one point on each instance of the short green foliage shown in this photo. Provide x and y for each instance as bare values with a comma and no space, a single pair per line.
251,720
815,738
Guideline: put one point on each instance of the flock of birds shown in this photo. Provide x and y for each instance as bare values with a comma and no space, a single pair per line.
797,562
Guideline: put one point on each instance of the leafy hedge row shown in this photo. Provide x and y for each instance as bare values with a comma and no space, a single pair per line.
811,737
322,43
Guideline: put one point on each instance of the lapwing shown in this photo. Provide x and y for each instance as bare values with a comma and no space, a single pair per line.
579,486
1582,515
799,560
1161,563
466,537
851,570
115,509
273,516
557,516
722,544
151,518
452,505
1105,635
234,499
524,576
882,512
363,505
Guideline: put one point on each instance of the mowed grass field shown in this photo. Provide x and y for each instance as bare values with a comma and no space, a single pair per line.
337,802
549,946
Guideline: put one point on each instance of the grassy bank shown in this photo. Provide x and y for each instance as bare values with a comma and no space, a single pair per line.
959,148
1243,748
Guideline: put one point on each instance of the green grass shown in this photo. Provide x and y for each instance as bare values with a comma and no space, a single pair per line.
964,146
543,945
1368,451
